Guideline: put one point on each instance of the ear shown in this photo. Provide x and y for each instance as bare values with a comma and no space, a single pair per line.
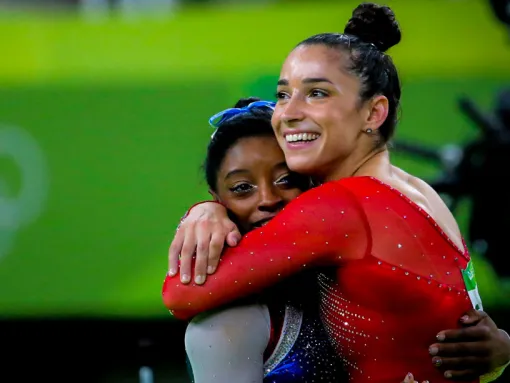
214,195
378,112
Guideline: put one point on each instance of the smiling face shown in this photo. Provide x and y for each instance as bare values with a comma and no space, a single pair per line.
254,182
319,121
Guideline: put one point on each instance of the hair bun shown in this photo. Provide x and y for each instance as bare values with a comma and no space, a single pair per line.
376,24
245,102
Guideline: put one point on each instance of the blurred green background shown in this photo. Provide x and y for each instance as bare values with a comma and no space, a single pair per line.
103,127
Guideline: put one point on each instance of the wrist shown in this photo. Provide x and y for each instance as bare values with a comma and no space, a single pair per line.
194,206
201,203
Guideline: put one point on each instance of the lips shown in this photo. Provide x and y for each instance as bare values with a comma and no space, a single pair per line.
261,222
301,137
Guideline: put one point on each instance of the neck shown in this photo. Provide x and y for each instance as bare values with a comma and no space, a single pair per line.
363,165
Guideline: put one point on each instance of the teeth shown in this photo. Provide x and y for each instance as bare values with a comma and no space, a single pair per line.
301,137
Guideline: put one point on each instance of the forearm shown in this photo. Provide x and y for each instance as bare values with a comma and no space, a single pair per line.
306,234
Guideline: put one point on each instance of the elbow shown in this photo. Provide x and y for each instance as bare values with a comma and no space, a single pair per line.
175,307
173,301
182,315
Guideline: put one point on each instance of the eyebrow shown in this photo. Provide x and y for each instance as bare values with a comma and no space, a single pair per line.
308,80
282,164
236,172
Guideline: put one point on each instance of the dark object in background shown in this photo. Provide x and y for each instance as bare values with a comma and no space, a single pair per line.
479,170
501,9
92,350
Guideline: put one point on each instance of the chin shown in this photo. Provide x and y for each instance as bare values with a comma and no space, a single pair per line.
302,165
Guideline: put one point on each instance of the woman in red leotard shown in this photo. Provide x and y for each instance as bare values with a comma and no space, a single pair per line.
396,260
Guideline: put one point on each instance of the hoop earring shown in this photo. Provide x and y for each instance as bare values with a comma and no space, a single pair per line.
369,131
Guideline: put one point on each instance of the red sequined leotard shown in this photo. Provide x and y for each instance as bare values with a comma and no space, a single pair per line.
395,279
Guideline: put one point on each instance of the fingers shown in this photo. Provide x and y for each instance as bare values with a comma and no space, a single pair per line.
459,349
473,316
188,250
410,379
466,334
233,237
174,251
464,375
215,249
213,246
462,363
203,235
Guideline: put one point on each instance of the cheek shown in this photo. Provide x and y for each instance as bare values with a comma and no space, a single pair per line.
342,126
275,120
242,209
289,195
341,140
344,111
239,208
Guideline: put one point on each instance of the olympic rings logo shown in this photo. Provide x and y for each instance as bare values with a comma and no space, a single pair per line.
18,145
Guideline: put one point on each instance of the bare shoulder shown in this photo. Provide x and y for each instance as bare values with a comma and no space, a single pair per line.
429,200
415,189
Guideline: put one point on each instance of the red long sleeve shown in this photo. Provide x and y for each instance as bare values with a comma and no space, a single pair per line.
398,271
323,226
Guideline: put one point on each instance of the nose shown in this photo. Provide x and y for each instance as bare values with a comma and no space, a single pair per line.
270,199
292,110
